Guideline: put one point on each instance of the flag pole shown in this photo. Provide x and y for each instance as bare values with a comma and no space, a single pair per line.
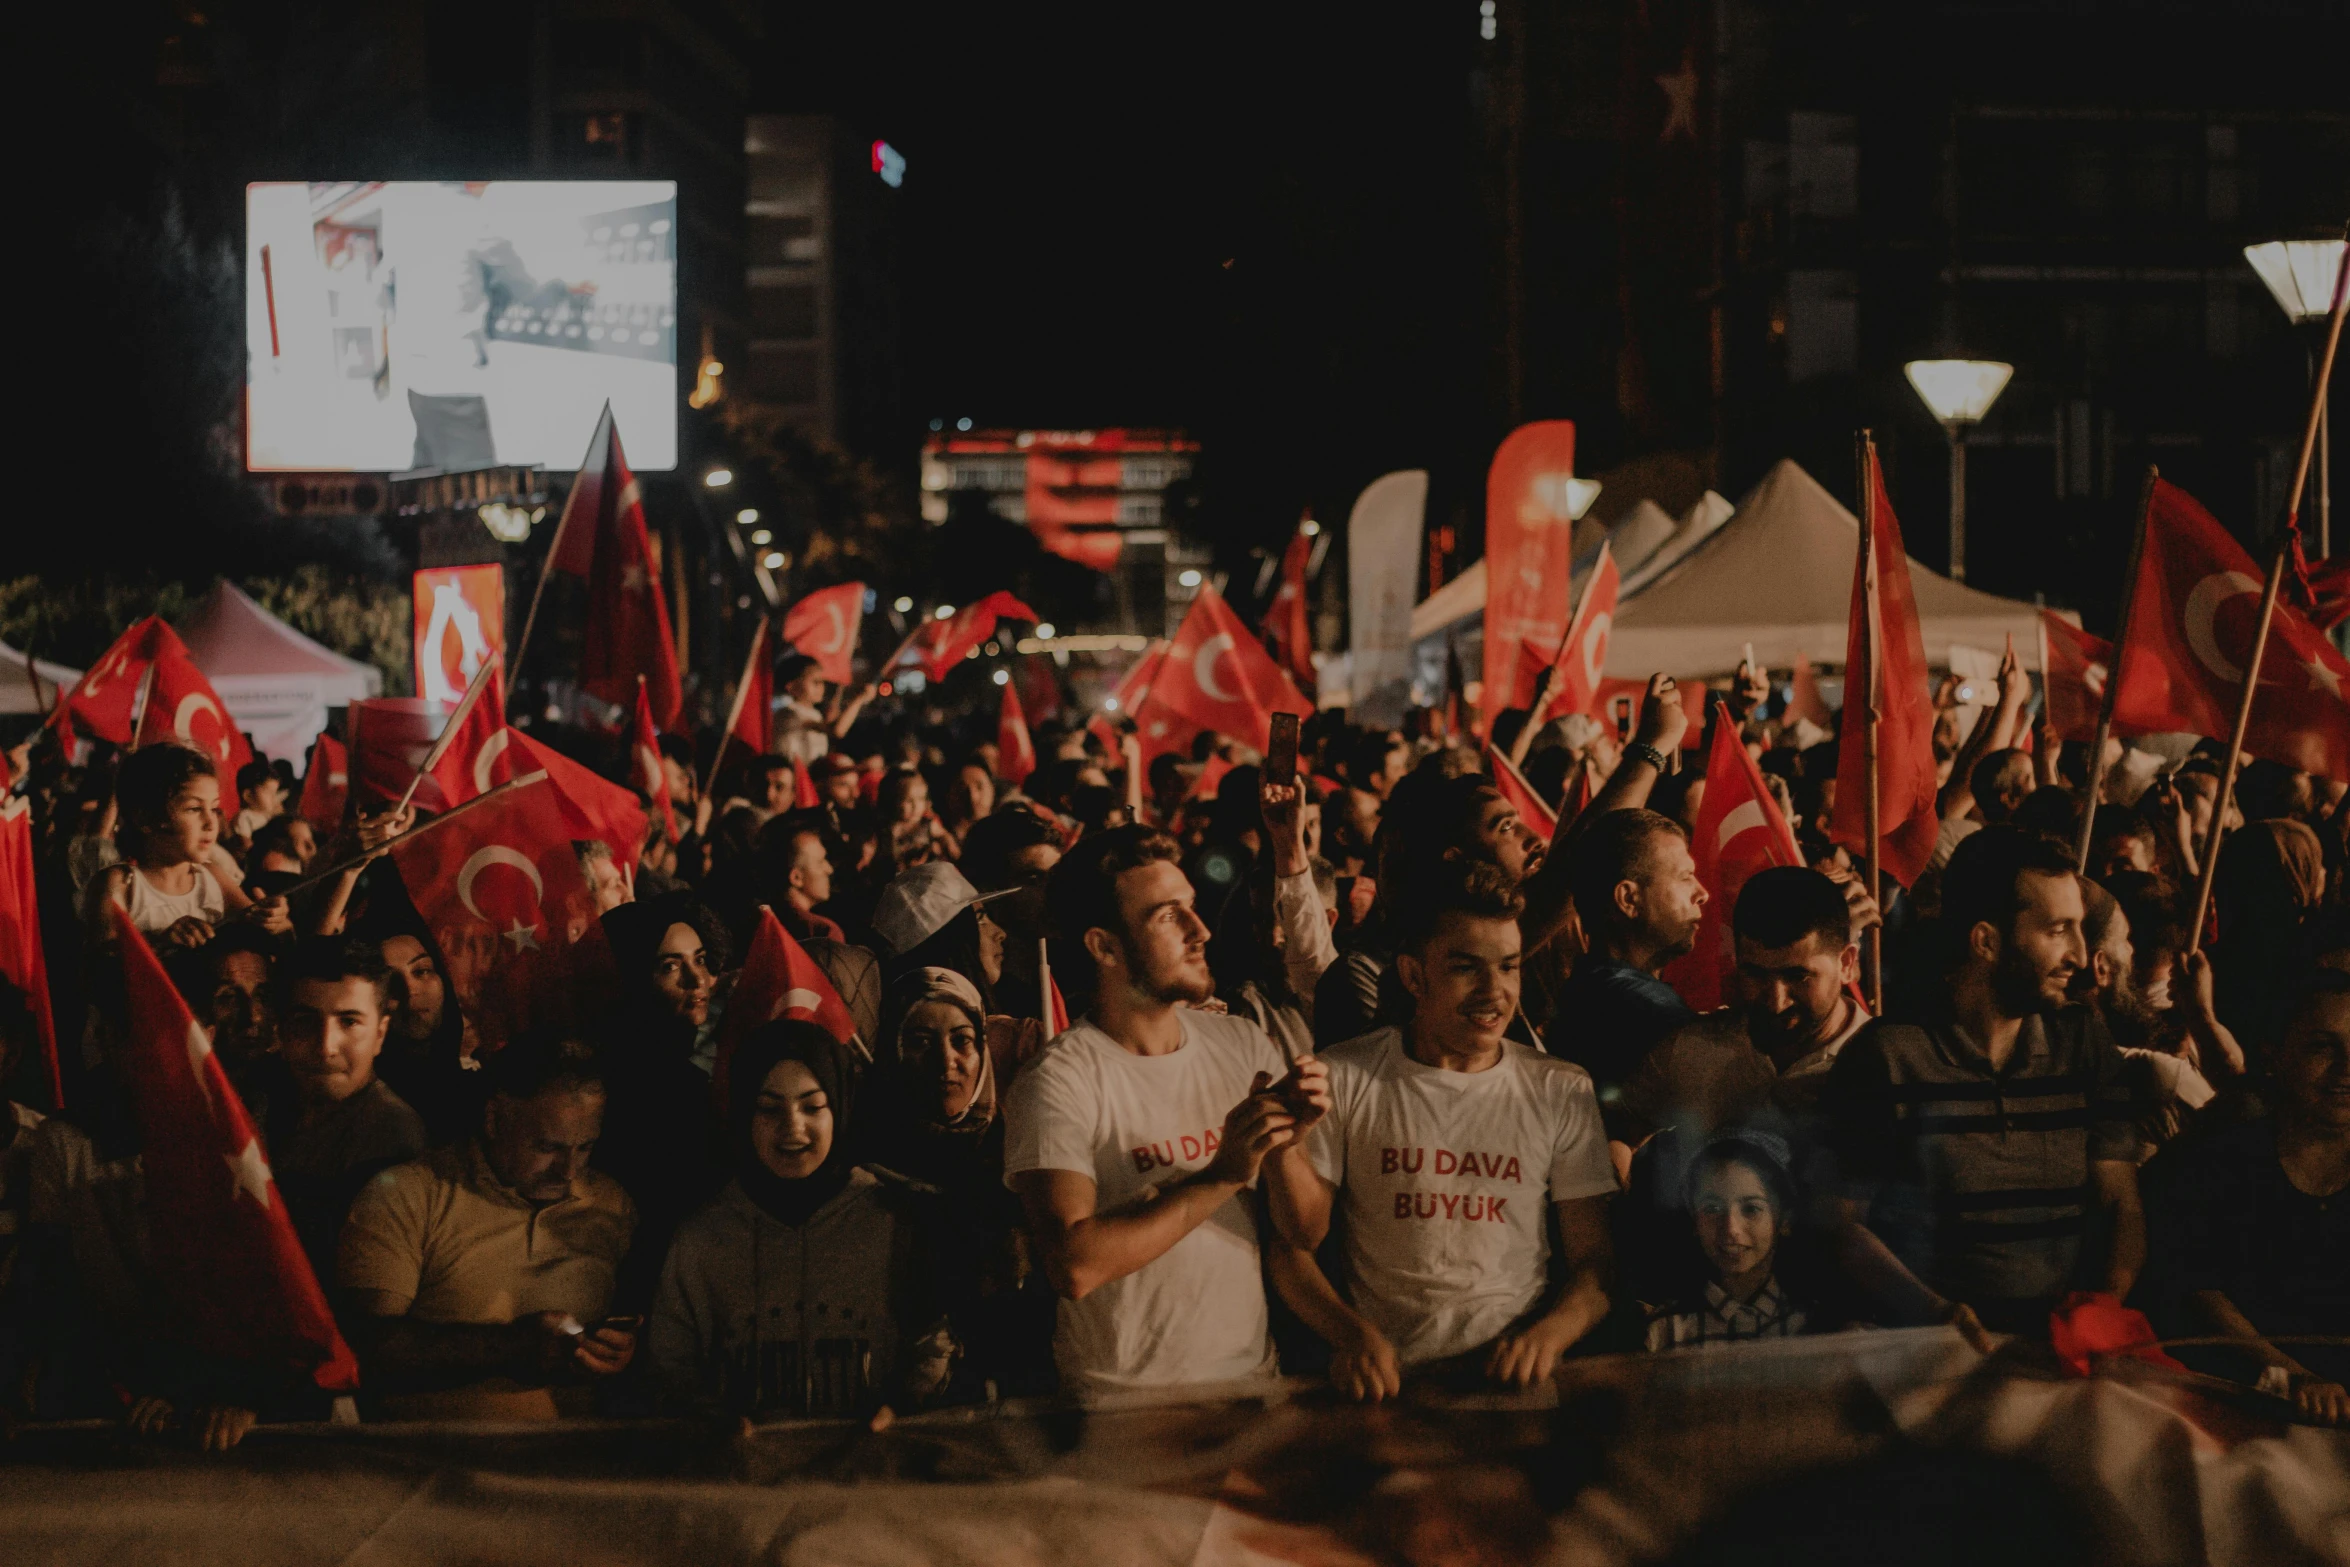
2113,673
2268,610
1874,953
734,710
353,862
555,545
139,699
448,734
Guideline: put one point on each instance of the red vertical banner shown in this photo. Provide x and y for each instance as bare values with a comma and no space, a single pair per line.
460,626
1529,541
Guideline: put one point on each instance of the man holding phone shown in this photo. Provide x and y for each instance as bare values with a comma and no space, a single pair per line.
1134,1139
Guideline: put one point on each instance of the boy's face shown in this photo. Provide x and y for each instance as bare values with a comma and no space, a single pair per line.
1464,981
331,1034
267,797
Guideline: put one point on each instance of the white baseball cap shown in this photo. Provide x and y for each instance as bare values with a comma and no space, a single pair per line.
919,902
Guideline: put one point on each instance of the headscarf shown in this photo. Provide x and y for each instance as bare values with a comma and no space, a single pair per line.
634,932
790,1039
942,984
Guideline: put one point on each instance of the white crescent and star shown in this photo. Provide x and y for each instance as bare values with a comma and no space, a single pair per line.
182,722
1743,819
482,860
1203,667
840,628
249,1172
487,757
800,1001
199,1048
1594,639
2203,606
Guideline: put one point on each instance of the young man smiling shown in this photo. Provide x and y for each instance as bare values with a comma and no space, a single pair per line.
1453,1150
1133,1139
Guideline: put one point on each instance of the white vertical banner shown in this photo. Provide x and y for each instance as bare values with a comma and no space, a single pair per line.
1383,574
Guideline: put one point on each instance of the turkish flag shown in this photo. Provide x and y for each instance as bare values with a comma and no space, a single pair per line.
1214,675
824,625
473,747
391,736
1885,668
484,751
803,787
1015,751
22,963
1529,543
1575,679
2192,616
2073,670
500,888
937,646
2329,592
1288,630
754,702
103,698
218,1235
326,783
644,764
182,707
601,537
778,979
1740,830
1532,809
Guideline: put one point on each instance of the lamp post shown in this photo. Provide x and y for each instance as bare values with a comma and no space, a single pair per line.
1580,494
2300,273
1958,392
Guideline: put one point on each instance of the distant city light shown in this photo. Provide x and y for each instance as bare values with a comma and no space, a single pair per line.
944,611
994,649
890,164
1189,579
1309,527
718,478
747,516
1044,629
1110,703
1488,24
962,424
1003,677
774,560
902,604
762,536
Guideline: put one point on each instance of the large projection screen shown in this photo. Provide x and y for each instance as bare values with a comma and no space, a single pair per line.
414,324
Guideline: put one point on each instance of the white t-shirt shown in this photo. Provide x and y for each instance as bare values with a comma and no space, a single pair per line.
1448,1178
1135,1123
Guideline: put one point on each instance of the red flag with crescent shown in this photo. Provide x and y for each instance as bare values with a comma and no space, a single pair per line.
1532,809
1885,665
510,911
485,751
937,646
103,699
22,962
601,537
326,783
2195,607
182,708
1288,628
1214,675
778,980
644,765
1740,830
1015,749
219,1238
1582,660
2074,667
824,625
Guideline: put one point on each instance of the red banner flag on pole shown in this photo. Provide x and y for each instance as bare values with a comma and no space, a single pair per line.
22,962
644,761
1740,830
2194,609
1885,671
1015,750
824,625
1288,630
103,699
501,890
1529,545
1582,660
326,783
218,1234
2074,666
778,979
1532,809
1214,675
601,537
938,645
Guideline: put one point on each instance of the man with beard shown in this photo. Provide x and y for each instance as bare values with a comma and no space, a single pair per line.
1454,1151
2170,1054
1132,1139
1987,1155
1635,886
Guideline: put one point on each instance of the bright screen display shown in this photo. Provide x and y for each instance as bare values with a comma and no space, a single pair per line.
414,324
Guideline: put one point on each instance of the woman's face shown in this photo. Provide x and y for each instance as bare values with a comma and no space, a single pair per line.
791,1125
1738,1228
944,1048
991,948
191,824
681,973
913,800
974,793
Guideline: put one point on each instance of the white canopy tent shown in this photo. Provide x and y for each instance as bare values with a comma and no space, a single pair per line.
1778,575
1704,519
17,674
275,682
1640,535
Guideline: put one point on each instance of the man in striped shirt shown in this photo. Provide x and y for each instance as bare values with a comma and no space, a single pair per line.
1985,1145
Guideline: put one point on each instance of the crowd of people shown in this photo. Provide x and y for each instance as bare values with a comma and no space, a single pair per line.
1360,1076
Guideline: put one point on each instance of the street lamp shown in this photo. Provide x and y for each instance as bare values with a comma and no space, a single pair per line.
1580,494
2301,274
1958,392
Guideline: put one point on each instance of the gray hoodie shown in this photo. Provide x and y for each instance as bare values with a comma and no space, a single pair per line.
757,1317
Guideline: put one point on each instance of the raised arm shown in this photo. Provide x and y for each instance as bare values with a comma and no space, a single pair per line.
1662,725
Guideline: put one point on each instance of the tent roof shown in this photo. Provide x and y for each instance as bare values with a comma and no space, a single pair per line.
1638,537
1700,524
16,682
1463,595
1778,574
229,635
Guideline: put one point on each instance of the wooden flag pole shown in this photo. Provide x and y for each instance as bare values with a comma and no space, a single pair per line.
2268,610
427,825
1872,712
139,701
448,735
2113,671
734,709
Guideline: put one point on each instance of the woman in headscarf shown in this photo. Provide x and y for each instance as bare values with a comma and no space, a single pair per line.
2271,876
661,1139
801,1290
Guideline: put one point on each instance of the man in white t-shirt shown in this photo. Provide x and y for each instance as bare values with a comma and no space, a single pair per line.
1134,1138
1453,1150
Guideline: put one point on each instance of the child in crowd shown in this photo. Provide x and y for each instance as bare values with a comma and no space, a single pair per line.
1741,1204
